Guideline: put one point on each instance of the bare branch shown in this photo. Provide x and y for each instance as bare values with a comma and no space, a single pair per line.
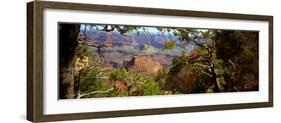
232,64
204,72
95,92
202,65
103,77
197,43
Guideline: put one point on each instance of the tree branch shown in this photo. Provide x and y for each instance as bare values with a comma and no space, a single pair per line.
232,64
198,44
204,72
95,92
202,65
106,29
122,31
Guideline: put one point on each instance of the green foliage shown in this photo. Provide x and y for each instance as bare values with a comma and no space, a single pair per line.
117,94
239,52
200,51
120,74
151,87
220,69
185,35
90,79
144,85
221,80
171,44
187,78
229,60
138,85
179,63
162,74
83,50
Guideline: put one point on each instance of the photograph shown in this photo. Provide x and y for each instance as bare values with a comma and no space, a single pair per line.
88,60
109,60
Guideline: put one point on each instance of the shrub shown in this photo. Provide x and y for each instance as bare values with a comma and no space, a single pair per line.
152,87
120,74
90,79
170,44
83,50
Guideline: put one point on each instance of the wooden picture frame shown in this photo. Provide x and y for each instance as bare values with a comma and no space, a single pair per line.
35,62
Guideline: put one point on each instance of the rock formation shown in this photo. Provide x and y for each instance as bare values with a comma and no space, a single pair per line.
144,65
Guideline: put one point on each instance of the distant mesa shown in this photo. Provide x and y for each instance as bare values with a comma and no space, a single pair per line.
144,65
116,39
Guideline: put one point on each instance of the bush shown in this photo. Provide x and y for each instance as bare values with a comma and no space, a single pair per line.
141,85
170,44
152,87
90,79
83,50
120,74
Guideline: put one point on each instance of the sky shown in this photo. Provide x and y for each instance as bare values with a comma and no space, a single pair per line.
143,29
152,30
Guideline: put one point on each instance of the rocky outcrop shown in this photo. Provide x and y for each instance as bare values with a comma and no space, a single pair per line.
80,63
144,65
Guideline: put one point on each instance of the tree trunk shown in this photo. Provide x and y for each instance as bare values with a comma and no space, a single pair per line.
214,79
218,87
68,34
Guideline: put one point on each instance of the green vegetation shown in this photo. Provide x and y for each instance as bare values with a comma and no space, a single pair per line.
96,80
152,87
82,50
218,61
91,79
123,82
170,44
120,74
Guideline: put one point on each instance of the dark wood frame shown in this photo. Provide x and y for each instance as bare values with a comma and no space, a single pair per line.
35,60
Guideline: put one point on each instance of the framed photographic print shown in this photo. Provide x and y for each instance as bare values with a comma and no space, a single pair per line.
97,61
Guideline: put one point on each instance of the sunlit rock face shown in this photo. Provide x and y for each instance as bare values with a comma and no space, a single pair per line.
80,63
144,65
